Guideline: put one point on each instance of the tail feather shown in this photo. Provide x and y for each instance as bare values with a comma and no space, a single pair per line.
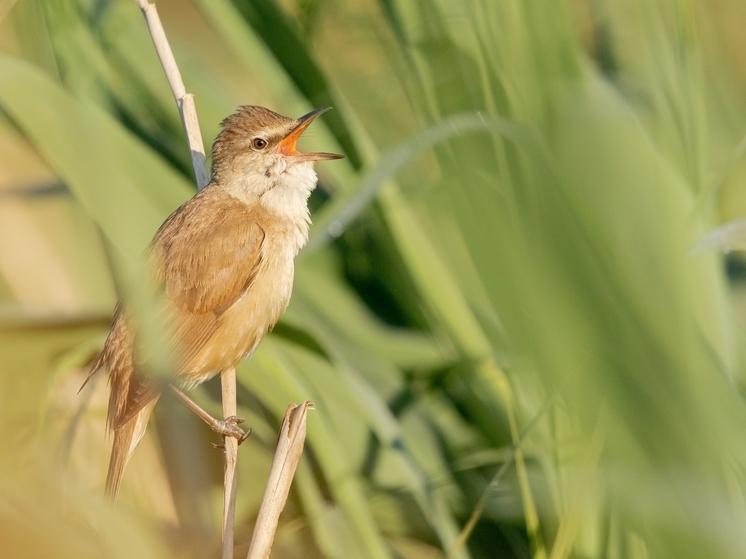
126,439
100,360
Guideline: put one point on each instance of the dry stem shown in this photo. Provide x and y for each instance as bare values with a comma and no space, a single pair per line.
188,112
293,431
230,473
287,455
184,100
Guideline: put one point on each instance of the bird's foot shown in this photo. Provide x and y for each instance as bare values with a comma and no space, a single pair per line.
228,427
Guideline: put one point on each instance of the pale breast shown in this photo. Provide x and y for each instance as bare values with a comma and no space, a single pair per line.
243,324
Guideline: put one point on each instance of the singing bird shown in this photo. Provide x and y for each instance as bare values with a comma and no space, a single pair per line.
223,264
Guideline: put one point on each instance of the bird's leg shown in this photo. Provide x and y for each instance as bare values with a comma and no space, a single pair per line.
227,427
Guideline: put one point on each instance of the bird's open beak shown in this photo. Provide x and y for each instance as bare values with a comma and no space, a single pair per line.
287,144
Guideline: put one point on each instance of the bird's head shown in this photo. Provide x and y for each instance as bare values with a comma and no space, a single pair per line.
258,148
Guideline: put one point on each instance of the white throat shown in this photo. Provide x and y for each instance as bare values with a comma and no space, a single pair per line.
284,191
288,192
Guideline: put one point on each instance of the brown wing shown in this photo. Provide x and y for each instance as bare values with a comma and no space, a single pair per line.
206,255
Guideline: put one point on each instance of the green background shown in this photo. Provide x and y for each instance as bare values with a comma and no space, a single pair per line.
520,315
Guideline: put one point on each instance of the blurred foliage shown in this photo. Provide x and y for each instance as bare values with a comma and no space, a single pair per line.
519,336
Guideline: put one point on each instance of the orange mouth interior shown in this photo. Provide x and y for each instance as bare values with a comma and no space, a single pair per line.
287,144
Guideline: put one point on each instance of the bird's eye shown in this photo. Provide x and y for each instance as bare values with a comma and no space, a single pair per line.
259,143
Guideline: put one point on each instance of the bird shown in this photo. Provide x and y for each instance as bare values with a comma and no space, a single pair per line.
222,265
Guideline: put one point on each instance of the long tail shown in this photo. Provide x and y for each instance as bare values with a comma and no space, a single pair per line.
126,439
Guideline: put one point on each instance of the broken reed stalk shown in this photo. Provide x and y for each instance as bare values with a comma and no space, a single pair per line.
188,112
287,455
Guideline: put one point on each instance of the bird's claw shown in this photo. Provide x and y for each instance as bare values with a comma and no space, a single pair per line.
246,435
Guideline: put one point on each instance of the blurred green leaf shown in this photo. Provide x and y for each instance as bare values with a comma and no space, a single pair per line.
117,179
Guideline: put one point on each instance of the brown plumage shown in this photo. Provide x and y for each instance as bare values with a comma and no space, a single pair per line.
223,263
